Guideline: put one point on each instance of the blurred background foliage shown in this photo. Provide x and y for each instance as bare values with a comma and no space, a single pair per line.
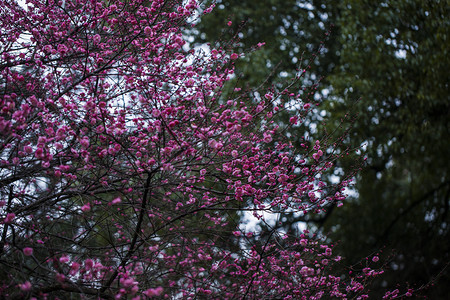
388,63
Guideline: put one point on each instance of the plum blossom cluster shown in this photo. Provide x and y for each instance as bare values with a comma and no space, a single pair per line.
124,170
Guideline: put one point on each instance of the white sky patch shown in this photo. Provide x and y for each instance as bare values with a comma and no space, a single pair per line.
22,3
249,223
400,54
351,192
307,6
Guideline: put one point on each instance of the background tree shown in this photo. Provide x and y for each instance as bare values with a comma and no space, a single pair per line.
123,164
290,29
396,54
387,62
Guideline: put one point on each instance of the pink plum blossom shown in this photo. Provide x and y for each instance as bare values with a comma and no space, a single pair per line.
234,56
26,286
103,100
9,218
28,251
154,292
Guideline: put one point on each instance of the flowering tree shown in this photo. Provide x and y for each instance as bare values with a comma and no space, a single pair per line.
124,172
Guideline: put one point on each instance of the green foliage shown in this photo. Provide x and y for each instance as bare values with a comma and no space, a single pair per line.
387,62
288,28
395,59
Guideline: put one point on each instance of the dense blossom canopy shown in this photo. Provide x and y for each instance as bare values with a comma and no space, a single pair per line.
124,171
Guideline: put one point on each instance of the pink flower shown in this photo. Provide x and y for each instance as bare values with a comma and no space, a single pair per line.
317,155
84,142
39,153
63,259
209,9
153,248
96,38
156,113
153,292
48,48
26,286
74,267
174,123
306,271
86,207
27,251
229,23
116,200
268,96
317,145
9,218
283,178
234,56
62,48
214,144
267,137
293,120
60,277
375,259
28,149
128,282
88,264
